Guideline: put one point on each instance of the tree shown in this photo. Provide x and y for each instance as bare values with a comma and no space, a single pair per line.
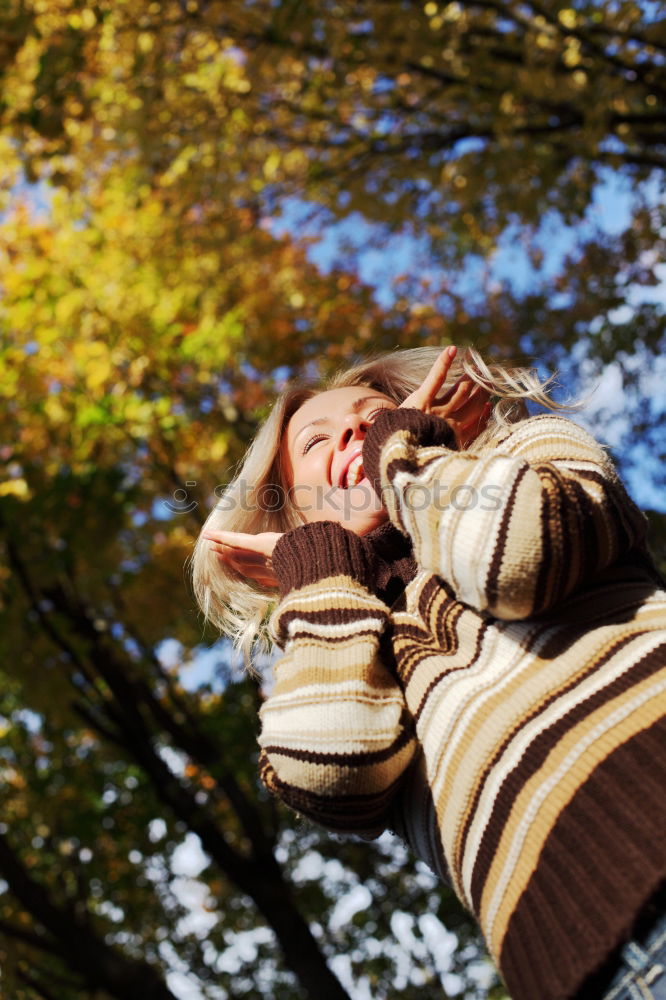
139,348
467,123
490,110
148,314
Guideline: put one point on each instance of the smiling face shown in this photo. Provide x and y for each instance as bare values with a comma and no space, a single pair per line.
322,455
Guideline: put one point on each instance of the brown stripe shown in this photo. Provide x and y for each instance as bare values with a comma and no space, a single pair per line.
447,615
332,639
492,578
441,640
581,541
395,466
452,669
546,560
540,748
581,917
345,813
332,616
431,590
606,600
348,759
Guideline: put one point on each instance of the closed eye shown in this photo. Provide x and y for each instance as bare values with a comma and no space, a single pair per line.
313,440
321,437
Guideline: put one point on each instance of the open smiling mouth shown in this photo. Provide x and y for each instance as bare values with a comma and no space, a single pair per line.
354,473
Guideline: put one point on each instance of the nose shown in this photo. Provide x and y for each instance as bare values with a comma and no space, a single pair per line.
354,428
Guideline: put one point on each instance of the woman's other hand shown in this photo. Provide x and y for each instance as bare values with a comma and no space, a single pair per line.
465,406
250,555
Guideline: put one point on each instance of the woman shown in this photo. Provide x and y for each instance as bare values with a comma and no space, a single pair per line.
474,644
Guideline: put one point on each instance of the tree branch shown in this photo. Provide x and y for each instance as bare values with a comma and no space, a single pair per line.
101,965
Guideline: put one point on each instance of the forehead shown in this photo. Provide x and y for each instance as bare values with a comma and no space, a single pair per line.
328,404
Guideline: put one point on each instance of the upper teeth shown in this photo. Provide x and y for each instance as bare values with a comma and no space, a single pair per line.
355,471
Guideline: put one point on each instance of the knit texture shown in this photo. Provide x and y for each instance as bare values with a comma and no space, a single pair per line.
382,559
515,736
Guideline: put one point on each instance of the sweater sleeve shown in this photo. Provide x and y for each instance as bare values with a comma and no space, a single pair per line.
513,529
335,737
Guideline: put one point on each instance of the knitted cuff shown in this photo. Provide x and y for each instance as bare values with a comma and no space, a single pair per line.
425,429
314,551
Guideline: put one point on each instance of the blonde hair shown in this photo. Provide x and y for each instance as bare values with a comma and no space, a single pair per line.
257,499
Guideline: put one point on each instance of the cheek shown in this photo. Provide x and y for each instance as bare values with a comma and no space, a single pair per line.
304,471
315,467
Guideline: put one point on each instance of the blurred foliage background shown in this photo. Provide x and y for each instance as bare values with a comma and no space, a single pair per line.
168,173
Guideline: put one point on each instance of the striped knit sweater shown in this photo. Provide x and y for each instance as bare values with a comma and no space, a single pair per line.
505,713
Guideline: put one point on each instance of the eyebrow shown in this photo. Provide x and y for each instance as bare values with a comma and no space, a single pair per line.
355,407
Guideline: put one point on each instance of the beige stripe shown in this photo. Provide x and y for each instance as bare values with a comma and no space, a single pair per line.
444,724
546,795
596,681
469,714
313,695
422,523
467,544
323,727
326,590
549,438
355,660
452,541
336,779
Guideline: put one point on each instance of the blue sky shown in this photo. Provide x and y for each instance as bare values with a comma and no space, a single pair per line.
381,262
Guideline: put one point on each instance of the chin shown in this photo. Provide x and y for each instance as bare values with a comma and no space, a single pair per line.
365,511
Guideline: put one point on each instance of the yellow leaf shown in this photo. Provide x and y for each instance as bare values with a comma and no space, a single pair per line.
16,488
271,164
568,17
97,373
572,56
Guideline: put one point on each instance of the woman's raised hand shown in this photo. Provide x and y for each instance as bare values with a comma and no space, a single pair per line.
465,406
250,555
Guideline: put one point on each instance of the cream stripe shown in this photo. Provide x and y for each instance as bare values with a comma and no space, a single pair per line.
455,715
443,724
343,628
301,599
334,779
501,661
466,543
614,729
623,661
313,694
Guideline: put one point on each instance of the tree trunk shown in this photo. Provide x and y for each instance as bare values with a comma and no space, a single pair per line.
100,965
302,954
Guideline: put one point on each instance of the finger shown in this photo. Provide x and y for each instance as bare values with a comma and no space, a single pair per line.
432,383
463,383
457,396
468,404
471,428
230,553
235,539
476,405
238,540
258,572
240,557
